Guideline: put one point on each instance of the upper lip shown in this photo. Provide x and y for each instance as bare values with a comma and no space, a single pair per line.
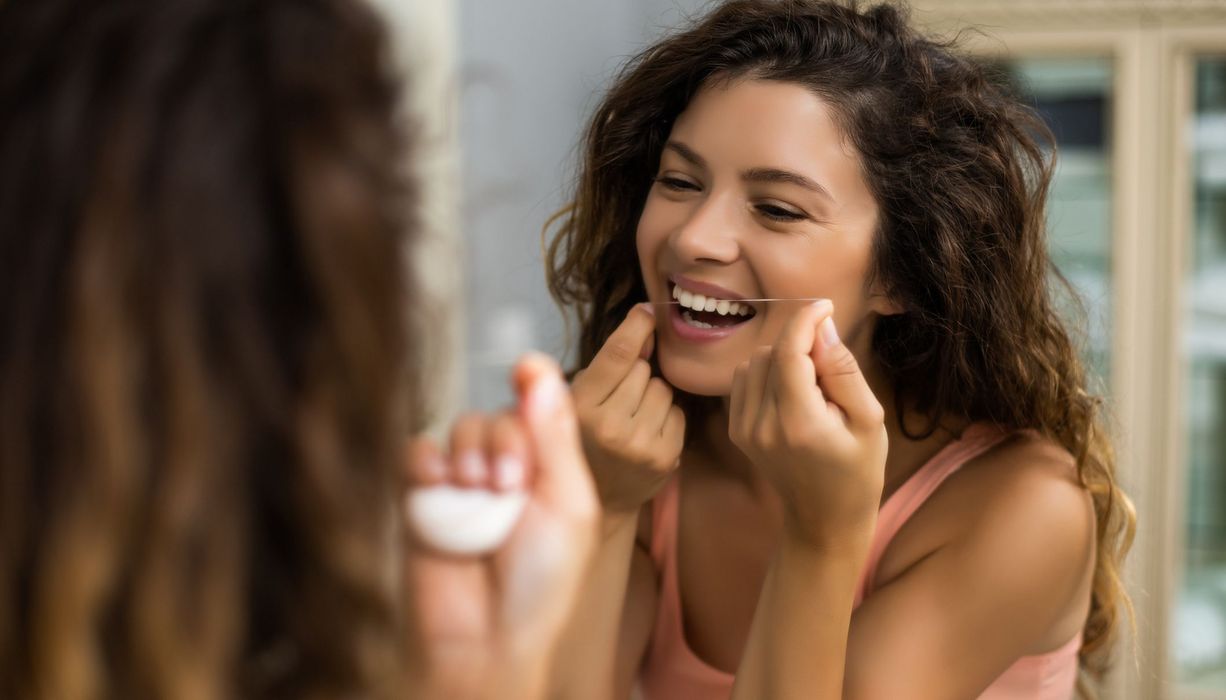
705,288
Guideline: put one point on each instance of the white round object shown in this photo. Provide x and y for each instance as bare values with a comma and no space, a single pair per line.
467,522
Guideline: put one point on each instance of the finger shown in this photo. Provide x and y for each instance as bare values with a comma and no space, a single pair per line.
841,380
755,384
800,331
468,464
424,464
540,569
650,346
507,452
674,430
736,402
767,424
793,377
652,412
625,399
794,388
617,356
562,480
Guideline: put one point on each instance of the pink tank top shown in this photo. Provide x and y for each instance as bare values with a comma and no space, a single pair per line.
672,671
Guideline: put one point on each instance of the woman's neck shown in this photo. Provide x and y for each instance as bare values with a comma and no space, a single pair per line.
906,455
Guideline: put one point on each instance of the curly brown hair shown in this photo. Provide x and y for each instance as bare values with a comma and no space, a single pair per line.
201,347
960,171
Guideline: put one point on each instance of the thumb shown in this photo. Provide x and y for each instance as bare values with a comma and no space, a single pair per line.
840,378
563,481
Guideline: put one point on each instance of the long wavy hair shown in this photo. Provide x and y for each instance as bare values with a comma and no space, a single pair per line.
202,349
960,170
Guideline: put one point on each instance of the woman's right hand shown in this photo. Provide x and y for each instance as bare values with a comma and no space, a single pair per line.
804,413
632,432
487,625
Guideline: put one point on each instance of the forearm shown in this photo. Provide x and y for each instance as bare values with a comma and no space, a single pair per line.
586,658
797,645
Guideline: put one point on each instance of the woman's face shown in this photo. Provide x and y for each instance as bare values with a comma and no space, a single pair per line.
758,195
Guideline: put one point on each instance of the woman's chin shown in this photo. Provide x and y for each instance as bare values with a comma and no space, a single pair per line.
695,377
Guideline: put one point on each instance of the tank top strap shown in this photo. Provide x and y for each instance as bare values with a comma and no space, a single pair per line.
976,439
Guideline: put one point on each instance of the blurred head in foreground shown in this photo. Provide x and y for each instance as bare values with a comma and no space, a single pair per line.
202,349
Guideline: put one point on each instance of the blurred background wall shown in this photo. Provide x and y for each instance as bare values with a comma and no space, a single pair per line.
530,71
1135,91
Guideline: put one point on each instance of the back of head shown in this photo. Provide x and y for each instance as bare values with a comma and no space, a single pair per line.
200,348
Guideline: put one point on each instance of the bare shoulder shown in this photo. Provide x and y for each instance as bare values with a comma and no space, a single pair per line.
1016,526
1023,488
1030,483
1029,526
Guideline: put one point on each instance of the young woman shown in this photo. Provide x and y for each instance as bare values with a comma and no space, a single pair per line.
203,359
800,149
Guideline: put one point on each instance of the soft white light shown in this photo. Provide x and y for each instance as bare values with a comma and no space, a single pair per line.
462,521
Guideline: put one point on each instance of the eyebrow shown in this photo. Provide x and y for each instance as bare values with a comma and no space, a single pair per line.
787,177
687,153
774,175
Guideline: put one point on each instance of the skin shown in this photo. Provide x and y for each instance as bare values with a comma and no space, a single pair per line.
485,627
774,511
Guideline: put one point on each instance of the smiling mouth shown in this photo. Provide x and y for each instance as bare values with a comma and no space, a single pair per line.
703,312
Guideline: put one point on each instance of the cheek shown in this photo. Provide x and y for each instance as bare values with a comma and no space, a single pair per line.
814,270
651,237
653,222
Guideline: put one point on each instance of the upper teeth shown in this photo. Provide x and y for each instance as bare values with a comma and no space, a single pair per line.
699,302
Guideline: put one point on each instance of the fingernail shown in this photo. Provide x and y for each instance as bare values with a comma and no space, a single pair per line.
471,466
509,472
648,307
545,396
830,336
823,303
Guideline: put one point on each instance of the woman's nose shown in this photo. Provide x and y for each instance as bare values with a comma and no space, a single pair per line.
708,235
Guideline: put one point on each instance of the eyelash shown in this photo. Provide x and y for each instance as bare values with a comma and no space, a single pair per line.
779,214
770,211
676,184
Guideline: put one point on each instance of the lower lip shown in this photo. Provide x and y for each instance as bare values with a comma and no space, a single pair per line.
694,334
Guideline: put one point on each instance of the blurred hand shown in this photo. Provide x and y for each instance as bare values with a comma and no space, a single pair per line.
485,627
804,414
632,431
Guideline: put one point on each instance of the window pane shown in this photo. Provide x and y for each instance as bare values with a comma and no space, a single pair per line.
1200,618
1073,95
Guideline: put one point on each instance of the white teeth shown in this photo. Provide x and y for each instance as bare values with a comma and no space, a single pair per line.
701,302
689,319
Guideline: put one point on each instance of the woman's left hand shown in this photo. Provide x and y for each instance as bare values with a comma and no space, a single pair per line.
803,413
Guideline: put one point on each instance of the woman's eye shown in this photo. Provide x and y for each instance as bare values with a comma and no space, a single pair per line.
777,213
676,184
